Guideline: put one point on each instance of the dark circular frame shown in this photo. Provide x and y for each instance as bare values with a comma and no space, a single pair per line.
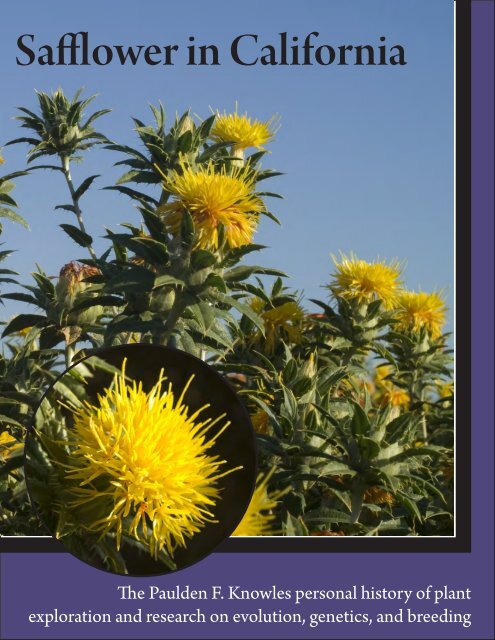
236,445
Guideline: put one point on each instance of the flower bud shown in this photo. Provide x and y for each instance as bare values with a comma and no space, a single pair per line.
186,124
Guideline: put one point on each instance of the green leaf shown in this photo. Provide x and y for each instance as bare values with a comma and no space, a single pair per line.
243,272
51,167
166,280
216,281
21,297
295,526
83,239
23,321
241,307
13,463
326,516
134,280
6,199
187,230
201,259
360,424
12,215
135,195
234,255
368,447
84,186
66,207
151,250
410,505
154,224
205,127
102,301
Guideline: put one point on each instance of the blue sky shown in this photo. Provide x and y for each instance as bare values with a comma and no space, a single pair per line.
367,152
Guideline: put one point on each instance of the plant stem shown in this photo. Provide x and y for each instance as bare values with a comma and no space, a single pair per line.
173,316
75,201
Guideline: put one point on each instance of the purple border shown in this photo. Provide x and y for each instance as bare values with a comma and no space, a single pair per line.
24,576
482,285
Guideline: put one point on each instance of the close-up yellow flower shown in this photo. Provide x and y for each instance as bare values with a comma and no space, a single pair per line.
259,518
213,197
242,130
417,310
365,282
142,462
281,323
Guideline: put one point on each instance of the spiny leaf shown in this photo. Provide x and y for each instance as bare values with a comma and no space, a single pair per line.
84,186
82,238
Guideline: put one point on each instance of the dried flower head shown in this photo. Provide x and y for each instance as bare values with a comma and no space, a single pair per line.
418,310
214,198
142,462
242,130
365,282
73,275
377,495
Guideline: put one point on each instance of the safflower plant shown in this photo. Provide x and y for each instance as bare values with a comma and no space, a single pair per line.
352,401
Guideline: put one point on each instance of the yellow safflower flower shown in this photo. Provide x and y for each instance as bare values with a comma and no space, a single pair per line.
260,421
284,322
445,389
259,517
242,130
365,282
387,393
213,197
8,444
393,396
143,463
416,310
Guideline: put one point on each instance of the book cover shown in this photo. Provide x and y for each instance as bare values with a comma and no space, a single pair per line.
247,319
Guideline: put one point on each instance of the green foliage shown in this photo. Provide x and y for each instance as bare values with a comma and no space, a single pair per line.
350,410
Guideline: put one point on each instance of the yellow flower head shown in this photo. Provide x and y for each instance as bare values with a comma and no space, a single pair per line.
283,322
8,444
364,281
387,393
141,463
392,396
259,517
1,159
242,131
213,197
445,389
419,309
260,421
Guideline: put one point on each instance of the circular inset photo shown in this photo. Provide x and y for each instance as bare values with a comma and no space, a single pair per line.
141,459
